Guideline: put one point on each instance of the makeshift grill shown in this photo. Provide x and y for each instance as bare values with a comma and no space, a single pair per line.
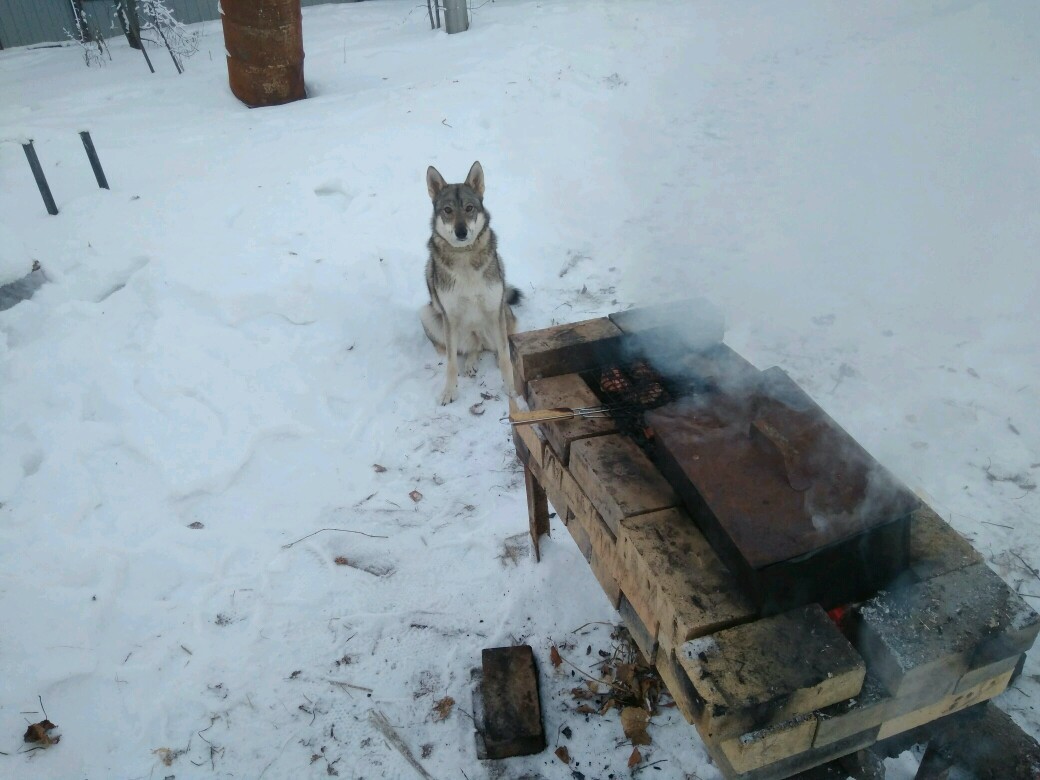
724,514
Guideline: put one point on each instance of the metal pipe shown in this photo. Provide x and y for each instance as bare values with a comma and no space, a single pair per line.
95,163
456,16
41,180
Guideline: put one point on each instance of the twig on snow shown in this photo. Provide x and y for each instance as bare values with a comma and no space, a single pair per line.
321,530
348,685
1029,568
393,739
647,766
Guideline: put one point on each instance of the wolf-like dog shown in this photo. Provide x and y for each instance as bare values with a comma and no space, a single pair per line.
470,303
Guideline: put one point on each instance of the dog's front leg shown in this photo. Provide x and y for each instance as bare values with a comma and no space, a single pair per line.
502,349
451,345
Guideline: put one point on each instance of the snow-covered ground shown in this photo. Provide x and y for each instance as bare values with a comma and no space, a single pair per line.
229,342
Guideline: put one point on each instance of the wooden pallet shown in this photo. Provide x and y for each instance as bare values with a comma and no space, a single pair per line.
774,696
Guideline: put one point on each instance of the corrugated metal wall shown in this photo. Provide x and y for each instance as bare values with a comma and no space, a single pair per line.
23,22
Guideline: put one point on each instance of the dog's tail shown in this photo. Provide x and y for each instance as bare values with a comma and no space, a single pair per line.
513,296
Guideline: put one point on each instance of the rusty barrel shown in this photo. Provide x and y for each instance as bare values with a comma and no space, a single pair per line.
264,42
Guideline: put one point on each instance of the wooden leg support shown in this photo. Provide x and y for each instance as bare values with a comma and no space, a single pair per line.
537,509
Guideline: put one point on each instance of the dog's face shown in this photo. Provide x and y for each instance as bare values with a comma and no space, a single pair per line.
458,209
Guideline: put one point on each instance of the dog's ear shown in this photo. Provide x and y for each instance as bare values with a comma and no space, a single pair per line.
475,178
434,182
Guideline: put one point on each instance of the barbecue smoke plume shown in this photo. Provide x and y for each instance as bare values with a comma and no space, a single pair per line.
841,483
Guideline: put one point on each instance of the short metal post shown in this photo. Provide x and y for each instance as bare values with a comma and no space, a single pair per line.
41,180
456,16
95,163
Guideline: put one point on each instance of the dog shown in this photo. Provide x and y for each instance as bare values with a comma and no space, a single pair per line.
470,308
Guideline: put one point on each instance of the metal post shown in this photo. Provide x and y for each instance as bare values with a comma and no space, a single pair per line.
456,16
41,180
95,163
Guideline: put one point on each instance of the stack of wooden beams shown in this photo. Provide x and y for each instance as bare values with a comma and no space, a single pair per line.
770,696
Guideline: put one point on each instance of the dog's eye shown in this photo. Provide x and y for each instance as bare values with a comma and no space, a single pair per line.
469,209
447,210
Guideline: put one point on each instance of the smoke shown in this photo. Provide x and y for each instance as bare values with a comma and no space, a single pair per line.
845,491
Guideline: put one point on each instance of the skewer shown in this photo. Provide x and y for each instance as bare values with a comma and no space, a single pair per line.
560,413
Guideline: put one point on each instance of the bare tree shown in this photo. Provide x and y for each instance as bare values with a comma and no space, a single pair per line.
90,39
161,28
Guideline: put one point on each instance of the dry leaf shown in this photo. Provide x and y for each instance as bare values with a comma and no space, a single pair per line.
593,685
37,732
608,705
555,657
196,525
585,709
416,496
562,754
165,755
635,758
477,409
634,721
442,709
581,693
379,469
626,673
342,561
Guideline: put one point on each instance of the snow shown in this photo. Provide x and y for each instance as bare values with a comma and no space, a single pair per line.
229,337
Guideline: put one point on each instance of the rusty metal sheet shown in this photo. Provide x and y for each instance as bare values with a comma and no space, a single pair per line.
796,507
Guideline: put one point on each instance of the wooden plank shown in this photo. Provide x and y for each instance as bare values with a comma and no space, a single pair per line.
800,762
512,710
767,746
537,510
604,558
569,391
987,672
581,538
679,686
853,716
667,563
562,349
645,639
924,638
619,478
606,580
527,437
945,706
763,673
935,548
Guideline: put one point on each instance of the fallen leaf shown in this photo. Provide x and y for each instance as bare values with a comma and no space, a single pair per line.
416,496
635,758
295,675
379,469
196,525
608,705
555,657
626,673
37,732
593,685
585,709
581,693
342,561
634,721
442,709
563,755
165,755
477,409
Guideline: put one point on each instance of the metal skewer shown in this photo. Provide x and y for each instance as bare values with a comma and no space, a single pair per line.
560,413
